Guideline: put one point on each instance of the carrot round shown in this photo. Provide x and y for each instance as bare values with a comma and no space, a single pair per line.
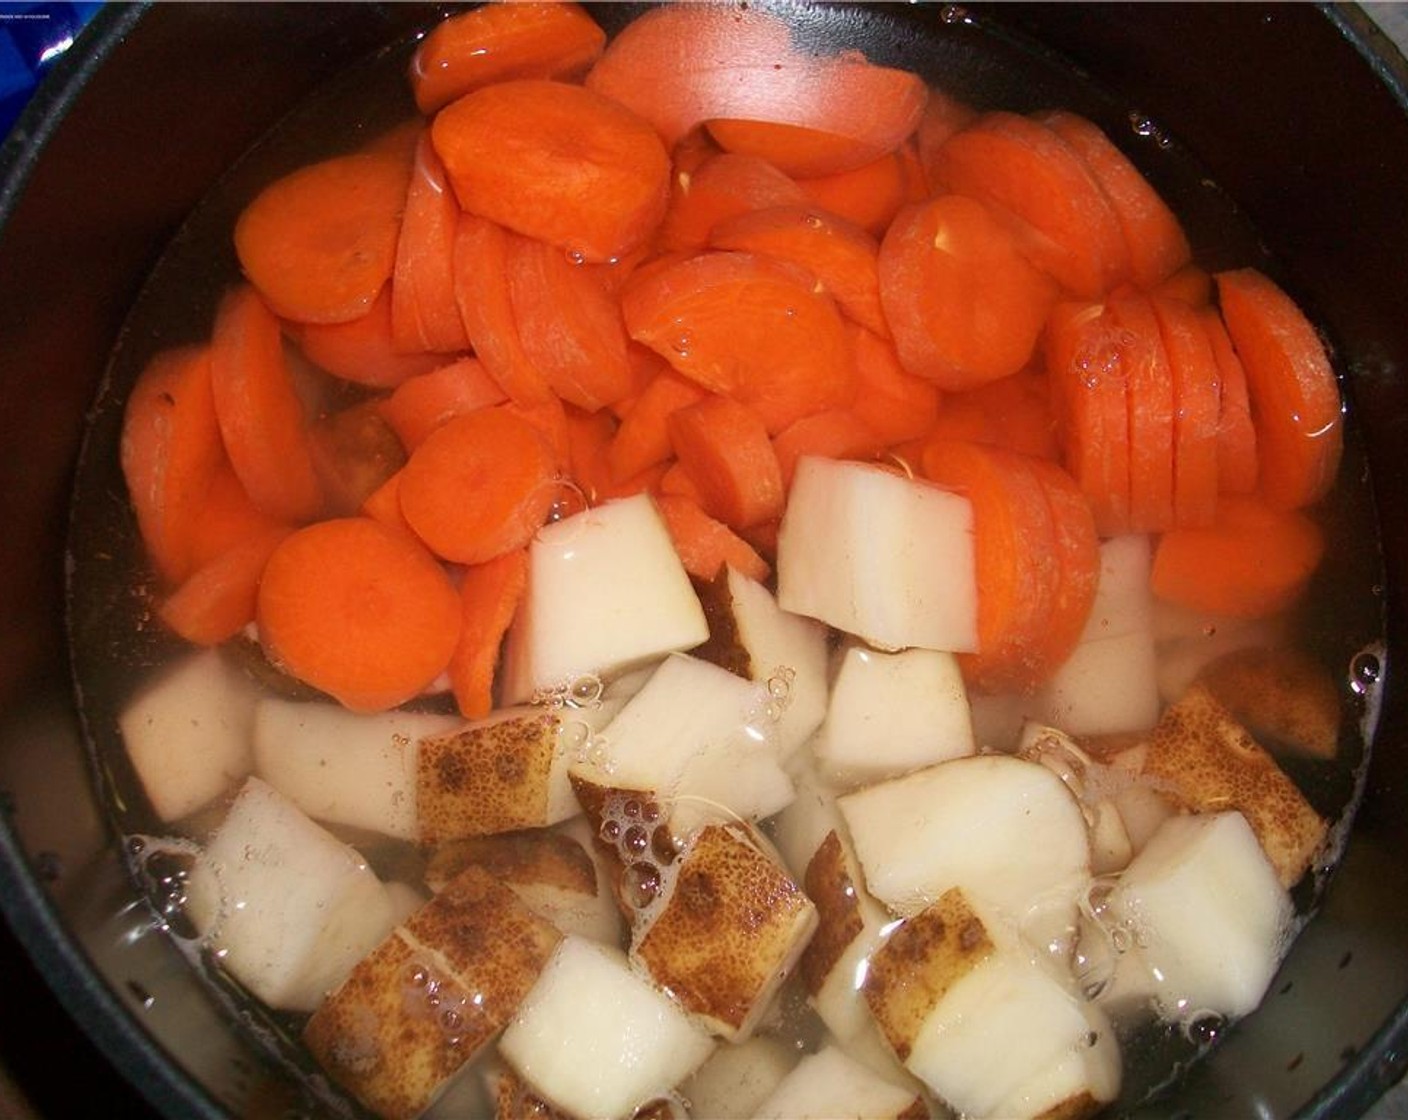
217,600
1157,245
748,328
868,196
964,306
792,148
842,257
499,41
724,447
1197,390
834,434
1190,285
1236,435
1078,558
359,610
354,452
363,350
384,505
1012,412
421,404
1065,222
226,518
424,315
171,452
489,598
1253,561
943,116
320,243
1149,398
261,417
556,162
1295,398
705,545
722,187
643,438
478,486
890,402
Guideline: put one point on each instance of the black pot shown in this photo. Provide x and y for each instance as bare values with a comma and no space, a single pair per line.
1297,112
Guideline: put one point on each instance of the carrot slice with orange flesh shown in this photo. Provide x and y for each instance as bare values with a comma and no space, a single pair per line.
424,315
748,328
722,187
943,116
1236,435
791,148
261,417
1153,235
362,350
705,545
869,196
1190,284
1012,412
569,325
1014,550
320,243
549,420
1254,561
499,41
489,598
835,434
890,402
1295,398
679,483
227,517
841,256
643,438
1197,390
1065,223
680,65
217,600
421,404
1149,398
354,451
359,610
171,452
964,306
479,486
724,447
556,162
1078,555
1086,372
481,290
384,505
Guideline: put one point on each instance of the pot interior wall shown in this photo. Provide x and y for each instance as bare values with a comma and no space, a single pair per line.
1309,140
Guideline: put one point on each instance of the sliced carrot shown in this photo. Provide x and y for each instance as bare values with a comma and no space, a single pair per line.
892,403
722,187
1012,412
682,64
1254,561
489,598
724,447
549,419
1086,371
481,290
354,452
705,545
869,196
170,453
943,116
261,417
747,328
589,435
1077,554
762,539
556,162
679,483
359,610
384,505
1065,223
1236,435
226,518
320,243
964,306
1153,235
217,600
841,256
569,324
834,434
500,41
1197,390
1014,550
424,315
1149,397
643,438
423,403
791,148
1295,398
479,486
1190,284
362,350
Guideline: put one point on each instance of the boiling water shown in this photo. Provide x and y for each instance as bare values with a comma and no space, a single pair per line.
116,643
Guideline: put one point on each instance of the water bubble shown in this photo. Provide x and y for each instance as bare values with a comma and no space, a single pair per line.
681,344
631,808
641,884
954,13
1146,126
585,691
811,221
1365,669
576,256
635,840
1203,1027
610,830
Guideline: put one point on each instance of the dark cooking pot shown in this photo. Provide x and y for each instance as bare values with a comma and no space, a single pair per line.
1298,112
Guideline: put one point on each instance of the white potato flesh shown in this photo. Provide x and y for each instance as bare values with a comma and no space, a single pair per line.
891,713
1105,687
738,1078
188,733
698,735
606,591
1124,603
1005,831
340,767
886,558
1208,913
799,829
596,1039
286,907
830,1084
